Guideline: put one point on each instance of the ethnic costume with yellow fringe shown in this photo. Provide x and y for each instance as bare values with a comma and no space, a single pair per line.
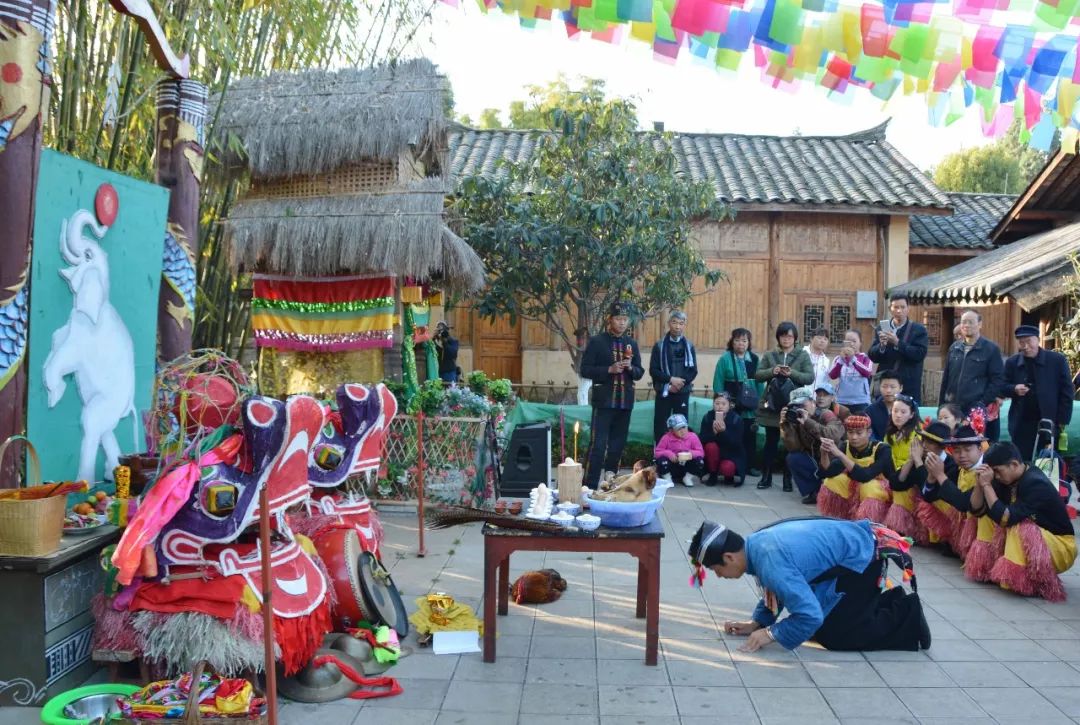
863,492
937,516
905,493
1039,543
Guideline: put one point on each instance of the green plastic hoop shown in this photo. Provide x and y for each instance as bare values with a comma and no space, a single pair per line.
53,712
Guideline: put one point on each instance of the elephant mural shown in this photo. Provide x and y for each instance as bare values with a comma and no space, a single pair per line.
94,346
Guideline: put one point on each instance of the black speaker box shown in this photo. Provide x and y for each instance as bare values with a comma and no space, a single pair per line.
527,459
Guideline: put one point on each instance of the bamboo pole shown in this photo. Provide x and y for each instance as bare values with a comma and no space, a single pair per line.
25,27
270,662
420,479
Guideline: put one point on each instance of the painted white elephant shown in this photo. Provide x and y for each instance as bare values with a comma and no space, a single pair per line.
94,345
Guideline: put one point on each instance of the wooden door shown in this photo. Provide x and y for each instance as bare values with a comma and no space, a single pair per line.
497,348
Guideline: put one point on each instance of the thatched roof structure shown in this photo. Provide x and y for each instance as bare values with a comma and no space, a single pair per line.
335,187
316,121
398,232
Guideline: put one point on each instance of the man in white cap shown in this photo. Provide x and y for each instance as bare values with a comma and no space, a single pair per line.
827,574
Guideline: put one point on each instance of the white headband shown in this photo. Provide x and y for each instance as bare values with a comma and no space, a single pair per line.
707,541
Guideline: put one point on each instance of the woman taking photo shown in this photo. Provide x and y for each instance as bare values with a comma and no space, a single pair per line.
781,370
735,371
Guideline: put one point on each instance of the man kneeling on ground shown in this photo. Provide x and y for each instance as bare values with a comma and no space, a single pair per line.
827,574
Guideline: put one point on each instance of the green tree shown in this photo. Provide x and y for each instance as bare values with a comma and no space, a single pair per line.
536,112
489,118
600,213
1003,167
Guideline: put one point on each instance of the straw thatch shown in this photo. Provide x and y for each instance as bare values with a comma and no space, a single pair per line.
399,232
316,121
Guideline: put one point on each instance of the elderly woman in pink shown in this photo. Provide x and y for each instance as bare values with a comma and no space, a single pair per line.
679,455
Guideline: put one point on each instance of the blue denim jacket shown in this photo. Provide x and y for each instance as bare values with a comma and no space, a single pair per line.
786,557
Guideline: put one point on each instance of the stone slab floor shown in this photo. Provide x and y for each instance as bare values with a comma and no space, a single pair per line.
996,657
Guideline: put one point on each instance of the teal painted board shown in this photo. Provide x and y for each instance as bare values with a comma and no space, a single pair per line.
95,274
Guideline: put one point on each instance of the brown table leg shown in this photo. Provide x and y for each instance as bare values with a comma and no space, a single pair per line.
642,584
652,616
491,563
504,582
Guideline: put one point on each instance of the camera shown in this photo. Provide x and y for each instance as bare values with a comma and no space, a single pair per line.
792,414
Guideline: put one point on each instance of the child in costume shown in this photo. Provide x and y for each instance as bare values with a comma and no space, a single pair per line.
679,455
966,532
906,449
938,517
856,482
1039,543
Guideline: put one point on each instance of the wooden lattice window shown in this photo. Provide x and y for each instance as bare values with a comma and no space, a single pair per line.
932,321
813,318
839,322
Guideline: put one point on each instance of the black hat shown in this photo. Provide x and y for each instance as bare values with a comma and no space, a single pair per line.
936,431
619,308
1026,331
966,435
707,546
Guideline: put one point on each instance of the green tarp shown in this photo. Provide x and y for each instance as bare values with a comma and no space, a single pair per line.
641,421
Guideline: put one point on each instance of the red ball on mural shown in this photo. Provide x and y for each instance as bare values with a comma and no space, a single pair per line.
106,204
210,401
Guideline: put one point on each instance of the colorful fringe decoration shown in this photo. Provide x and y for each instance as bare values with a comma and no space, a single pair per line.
301,637
982,554
874,508
906,523
936,521
832,504
964,533
895,548
1038,578
328,314
697,576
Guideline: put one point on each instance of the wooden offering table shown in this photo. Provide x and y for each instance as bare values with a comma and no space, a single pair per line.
642,542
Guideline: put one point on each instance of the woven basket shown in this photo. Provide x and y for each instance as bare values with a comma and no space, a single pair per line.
30,528
192,716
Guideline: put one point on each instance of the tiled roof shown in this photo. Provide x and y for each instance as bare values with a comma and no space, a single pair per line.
968,227
861,169
1032,271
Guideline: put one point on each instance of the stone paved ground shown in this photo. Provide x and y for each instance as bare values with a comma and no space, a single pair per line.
996,657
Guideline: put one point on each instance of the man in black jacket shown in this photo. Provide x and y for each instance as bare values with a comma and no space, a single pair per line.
672,367
974,372
900,346
612,361
1039,383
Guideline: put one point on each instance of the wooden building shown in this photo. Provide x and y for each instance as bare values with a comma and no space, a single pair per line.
1021,279
818,220
939,242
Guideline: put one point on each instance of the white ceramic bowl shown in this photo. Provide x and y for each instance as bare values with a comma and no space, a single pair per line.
570,508
563,519
588,522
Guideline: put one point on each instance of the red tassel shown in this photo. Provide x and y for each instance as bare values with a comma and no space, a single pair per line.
300,637
392,685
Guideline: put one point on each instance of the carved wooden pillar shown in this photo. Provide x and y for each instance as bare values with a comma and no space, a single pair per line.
181,117
25,32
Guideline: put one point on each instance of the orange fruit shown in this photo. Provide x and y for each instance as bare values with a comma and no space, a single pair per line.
100,495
